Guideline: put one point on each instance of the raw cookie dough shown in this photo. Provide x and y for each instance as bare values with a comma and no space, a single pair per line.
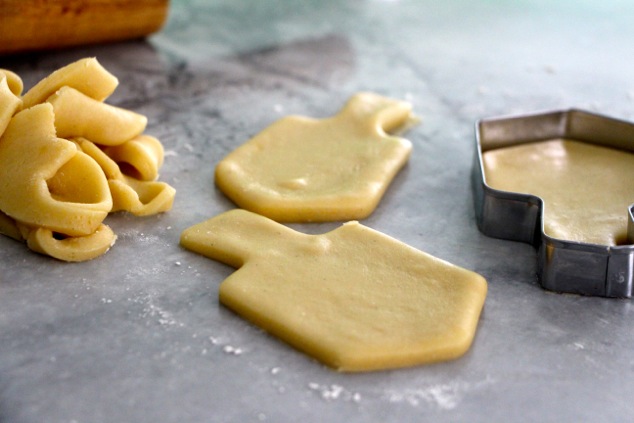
77,115
85,75
301,169
67,160
586,188
37,170
353,298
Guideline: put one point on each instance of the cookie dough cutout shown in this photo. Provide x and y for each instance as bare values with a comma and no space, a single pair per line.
46,181
301,169
353,298
586,188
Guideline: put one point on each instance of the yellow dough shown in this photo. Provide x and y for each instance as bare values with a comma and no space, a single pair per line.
14,82
77,115
9,227
85,75
79,248
46,181
9,103
67,160
586,188
139,197
353,298
301,169
141,157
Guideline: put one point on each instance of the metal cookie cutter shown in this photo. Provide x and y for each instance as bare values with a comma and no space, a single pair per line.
563,266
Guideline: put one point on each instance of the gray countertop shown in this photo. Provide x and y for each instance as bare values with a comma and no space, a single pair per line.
138,335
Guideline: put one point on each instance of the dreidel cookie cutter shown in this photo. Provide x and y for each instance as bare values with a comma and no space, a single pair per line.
563,266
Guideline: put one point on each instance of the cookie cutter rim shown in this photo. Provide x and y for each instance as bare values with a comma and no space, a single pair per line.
562,266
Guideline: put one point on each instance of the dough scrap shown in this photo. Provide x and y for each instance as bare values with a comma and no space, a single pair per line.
141,157
301,169
9,103
78,115
139,197
78,248
9,227
85,75
353,298
45,181
586,188
14,82
58,181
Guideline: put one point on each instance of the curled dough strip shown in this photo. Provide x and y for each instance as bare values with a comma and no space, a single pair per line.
46,181
78,115
13,81
141,198
9,103
108,166
80,248
55,193
140,157
86,76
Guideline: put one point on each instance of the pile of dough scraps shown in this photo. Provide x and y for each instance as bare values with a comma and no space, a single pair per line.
67,159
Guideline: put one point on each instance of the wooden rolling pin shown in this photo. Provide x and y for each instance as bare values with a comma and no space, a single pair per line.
27,25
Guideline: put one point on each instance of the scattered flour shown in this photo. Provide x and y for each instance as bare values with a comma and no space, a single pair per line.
444,396
334,392
154,312
229,349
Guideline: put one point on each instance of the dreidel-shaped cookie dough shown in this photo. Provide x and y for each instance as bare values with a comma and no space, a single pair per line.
353,298
301,169
586,188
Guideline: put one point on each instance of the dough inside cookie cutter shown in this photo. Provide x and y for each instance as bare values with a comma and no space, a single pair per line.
563,266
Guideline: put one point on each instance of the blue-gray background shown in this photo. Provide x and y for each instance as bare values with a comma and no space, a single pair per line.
138,336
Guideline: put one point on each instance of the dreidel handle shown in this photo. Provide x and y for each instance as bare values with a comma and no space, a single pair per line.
236,236
377,113
27,25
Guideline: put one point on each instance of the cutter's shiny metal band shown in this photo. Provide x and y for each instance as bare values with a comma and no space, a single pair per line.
563,266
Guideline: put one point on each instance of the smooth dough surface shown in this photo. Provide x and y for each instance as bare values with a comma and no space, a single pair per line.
586,188
301,169
353,298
